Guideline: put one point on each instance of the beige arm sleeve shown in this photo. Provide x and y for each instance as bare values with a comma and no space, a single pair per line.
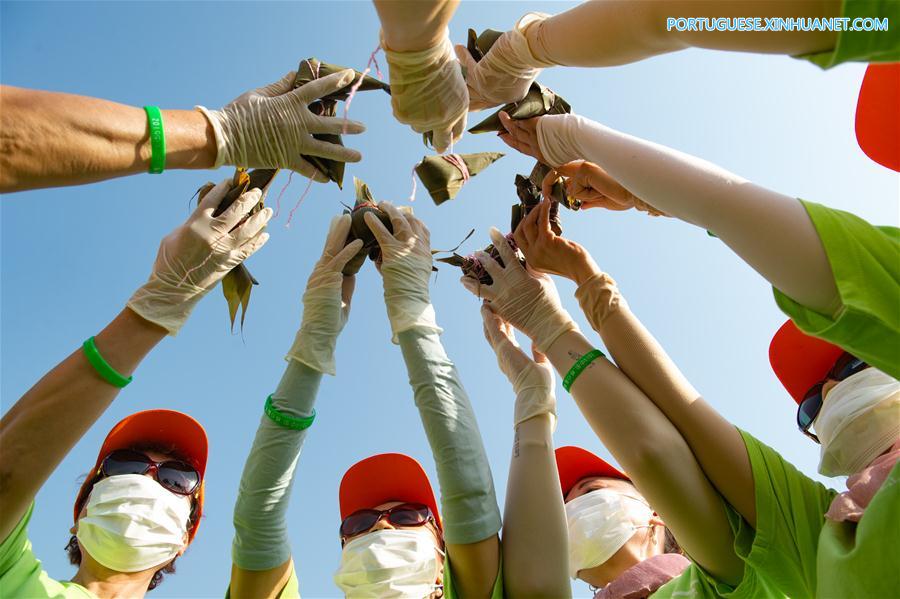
716,443
535,538
770,231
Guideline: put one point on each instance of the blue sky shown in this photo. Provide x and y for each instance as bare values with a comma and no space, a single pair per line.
71,257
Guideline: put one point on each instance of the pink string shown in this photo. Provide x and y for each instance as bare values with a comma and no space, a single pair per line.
356,85
460,165
281,193
297,205
412,196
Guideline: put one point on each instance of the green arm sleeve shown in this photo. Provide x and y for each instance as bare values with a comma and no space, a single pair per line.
260,526
864,46
468,503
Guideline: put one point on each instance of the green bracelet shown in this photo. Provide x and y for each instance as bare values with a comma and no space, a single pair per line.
582,363
157,140
102,367
297,424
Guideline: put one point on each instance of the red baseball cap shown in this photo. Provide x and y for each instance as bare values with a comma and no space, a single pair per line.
878,115
575,463
382,478
167,428
800,360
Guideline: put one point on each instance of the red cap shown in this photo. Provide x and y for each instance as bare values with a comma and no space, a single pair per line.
878,115
799,360
382,478
163,427
575,463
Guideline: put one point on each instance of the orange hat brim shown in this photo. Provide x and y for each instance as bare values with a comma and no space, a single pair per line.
575,463
800,360
382,478
878,115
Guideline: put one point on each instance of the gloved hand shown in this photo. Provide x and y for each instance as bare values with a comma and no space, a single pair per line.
196,255
406,269
587,182
326,302
532,380
428,92
272,126
506,71
525,299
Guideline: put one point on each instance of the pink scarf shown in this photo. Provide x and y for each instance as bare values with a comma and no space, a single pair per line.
643,579
850,505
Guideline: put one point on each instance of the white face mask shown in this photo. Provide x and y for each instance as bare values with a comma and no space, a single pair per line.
389,563
859,420
600,523
132,523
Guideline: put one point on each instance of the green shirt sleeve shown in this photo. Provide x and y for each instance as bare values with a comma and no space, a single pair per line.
865,260
864,46
790,514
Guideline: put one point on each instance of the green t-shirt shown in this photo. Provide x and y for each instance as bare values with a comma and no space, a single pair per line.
697,582
21,574
804,554
865,260
292,588
864,46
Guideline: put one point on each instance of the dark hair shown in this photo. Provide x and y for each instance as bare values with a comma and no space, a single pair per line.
73,549
671,544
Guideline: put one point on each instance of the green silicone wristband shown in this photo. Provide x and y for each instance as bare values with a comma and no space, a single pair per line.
157,140
297,424
582,363
102,367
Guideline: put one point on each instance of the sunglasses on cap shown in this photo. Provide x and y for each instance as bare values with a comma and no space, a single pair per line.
174,475
844,367
405,514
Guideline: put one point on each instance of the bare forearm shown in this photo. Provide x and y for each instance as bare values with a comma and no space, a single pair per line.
410,25
535,539
654,454
616,32
49,139
44,425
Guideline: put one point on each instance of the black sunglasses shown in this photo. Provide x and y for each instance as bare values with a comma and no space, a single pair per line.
174,475
844,367
405,514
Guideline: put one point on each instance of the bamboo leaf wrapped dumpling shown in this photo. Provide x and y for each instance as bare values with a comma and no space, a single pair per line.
539,101
444,175
311,69
472,268
359,229
238,283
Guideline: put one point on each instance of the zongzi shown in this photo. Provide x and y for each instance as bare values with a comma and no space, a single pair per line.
359,229
539,101
238,283
471,267
445,174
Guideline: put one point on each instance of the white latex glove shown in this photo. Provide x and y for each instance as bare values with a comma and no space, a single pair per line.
196,255
506,71
326,302
428,92
532,380
272,126
406,270
525,299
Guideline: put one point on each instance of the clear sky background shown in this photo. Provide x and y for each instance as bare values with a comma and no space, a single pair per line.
71,257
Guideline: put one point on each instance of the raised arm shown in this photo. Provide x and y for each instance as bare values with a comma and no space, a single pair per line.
469,508
428,91
46,422
772,232
50,139
607,33
535,535
261,552
636,432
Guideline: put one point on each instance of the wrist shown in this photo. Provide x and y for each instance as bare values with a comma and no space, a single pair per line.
190,140
583,269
